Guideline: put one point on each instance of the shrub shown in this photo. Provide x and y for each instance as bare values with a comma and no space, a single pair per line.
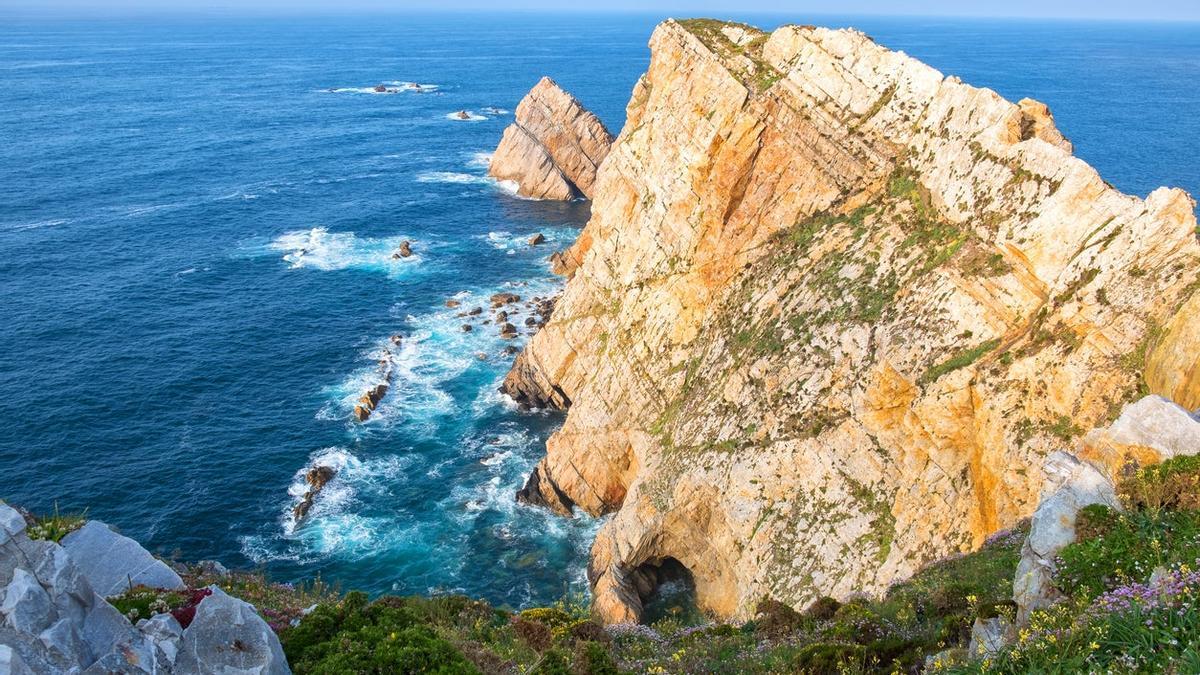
1136,628
593,659
822,609
55,526
533,633
589,631
829,657
355,636
775,619
142,602
1173,484
1094,520
553,662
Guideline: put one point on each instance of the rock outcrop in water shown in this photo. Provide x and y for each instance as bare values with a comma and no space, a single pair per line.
832,311
554,147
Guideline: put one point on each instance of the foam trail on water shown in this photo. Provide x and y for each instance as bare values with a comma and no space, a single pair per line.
389,87
453,177
321,249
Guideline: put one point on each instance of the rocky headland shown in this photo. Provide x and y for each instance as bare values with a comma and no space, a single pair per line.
863,352
831,314
554,147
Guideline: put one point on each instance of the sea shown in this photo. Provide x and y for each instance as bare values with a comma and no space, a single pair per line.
198,216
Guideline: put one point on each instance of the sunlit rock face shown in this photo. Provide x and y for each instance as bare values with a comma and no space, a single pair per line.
830,314
554,148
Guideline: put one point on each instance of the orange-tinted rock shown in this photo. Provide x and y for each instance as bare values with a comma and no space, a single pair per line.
554,147
831,312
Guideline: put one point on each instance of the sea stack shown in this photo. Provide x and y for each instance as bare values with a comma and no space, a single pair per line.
554,148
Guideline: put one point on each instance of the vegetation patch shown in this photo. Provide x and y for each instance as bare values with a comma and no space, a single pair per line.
959,360
53,527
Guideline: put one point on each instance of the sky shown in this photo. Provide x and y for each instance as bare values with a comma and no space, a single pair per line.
1158,10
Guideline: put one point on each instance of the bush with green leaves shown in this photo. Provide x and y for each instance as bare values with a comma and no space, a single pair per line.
1173,485
357,636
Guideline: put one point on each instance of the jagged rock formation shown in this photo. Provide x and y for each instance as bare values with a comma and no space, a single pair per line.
831,312
53,620
554,147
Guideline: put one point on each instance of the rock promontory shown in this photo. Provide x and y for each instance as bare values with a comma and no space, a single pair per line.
832,312
554,148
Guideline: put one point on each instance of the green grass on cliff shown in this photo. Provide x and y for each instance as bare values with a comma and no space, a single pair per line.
755,73
55,526
453,634
1111,619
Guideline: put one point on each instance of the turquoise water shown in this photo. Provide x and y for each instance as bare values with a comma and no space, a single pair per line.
196,227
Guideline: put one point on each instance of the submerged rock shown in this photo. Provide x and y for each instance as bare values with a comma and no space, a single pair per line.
501,299
554,147
404,250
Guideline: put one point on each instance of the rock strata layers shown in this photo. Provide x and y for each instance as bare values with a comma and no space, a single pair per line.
554,148
832,311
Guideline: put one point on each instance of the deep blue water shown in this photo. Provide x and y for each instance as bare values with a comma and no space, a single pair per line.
196,281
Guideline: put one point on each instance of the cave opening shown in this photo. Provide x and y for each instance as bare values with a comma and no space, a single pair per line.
668,591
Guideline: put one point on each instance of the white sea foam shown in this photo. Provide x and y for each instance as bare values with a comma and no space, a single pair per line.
321,249
480,159
35,225
453,177
389,87
472,116
557,236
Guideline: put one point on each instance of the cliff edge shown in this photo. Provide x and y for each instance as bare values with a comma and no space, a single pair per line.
554,147
832,311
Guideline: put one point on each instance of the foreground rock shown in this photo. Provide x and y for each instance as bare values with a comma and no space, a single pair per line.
554,148
832,312
112,562
1147,432
228,636
52,620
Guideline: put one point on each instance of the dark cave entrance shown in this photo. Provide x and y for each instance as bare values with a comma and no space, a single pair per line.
667,591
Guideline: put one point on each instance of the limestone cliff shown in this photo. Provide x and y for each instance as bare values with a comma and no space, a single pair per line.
554,148
830,314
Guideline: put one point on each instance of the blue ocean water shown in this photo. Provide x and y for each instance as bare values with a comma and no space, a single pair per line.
196,225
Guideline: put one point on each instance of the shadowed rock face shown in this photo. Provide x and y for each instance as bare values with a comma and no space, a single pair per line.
831,313
554,148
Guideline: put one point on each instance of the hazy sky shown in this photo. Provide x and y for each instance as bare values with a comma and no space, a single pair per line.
1094,9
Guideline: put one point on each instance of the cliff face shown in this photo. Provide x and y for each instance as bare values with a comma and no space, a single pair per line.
554,147
831,312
